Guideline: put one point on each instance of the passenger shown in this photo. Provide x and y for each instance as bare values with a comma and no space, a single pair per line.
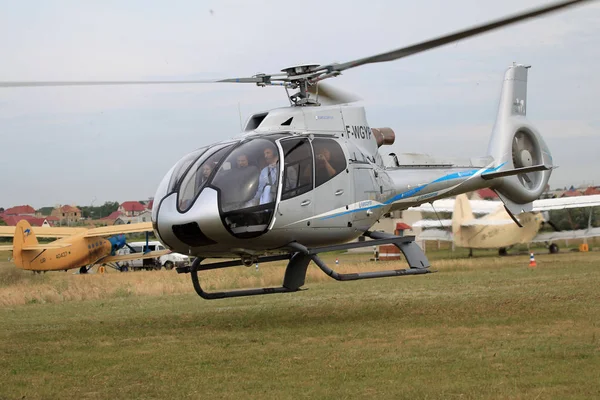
245,180
242,161
203,175
324,167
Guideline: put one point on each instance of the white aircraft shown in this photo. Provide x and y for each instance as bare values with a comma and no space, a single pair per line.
497,229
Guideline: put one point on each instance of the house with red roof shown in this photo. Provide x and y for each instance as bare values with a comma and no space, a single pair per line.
20,210
12,220
484,194
571,193
131,208
591,191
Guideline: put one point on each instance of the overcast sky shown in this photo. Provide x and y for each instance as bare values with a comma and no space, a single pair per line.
87,145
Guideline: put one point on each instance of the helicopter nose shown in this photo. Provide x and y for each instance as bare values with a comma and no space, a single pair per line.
197,227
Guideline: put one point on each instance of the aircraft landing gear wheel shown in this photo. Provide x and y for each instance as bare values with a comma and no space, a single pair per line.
502,251
83,270
553,248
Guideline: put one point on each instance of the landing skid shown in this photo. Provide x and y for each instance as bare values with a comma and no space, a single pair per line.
300,256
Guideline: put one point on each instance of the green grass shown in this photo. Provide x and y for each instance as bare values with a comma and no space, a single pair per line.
484,328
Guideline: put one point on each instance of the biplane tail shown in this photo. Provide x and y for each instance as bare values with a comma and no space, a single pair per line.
462,213
24,237
521,156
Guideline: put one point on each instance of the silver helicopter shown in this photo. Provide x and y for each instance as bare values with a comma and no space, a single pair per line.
309,178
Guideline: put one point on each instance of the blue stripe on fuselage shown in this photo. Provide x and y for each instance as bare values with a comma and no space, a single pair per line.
412,192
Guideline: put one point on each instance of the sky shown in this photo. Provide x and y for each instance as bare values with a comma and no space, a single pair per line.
88,145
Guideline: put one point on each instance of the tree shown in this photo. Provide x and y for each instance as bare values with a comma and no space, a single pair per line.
99,211
575,218
45,211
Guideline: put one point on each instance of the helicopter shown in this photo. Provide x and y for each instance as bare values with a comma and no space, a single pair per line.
310,178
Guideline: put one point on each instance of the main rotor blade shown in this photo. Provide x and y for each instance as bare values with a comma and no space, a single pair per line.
106,83
453,37
332,95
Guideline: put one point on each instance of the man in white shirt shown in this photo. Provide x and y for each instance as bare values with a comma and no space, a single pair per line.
269,176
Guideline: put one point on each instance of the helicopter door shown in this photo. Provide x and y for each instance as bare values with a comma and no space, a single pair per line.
366,190
297,203
333,188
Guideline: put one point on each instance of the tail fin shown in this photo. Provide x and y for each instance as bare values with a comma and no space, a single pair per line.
24,236
462,213
516,144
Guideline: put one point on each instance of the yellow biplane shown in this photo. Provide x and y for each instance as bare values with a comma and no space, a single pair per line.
74,248
497,229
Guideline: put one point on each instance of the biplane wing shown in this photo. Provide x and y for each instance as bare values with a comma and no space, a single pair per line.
47,232
62,232
489,206
133,256
436,234
39,246
119,229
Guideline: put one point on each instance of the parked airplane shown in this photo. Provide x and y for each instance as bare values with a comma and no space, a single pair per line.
76,247
497,229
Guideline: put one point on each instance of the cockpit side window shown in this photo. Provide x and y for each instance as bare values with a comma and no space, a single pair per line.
198,176
182,167
298,167
329,160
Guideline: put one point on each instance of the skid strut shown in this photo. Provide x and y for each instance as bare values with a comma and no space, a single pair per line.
300,256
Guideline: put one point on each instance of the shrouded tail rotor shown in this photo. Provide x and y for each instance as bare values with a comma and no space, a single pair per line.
526,152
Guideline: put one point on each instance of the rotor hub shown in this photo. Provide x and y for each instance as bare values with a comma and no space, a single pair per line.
300,69
526,158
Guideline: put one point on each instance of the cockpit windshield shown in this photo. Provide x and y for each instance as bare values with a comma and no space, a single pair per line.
182,166
246,176
199,175
249,175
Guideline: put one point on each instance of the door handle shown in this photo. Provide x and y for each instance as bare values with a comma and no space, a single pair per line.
339,191
305,203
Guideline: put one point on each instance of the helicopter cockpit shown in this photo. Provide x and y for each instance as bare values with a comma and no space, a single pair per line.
246,177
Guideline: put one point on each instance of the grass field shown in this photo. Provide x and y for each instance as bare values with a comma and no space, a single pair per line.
487,327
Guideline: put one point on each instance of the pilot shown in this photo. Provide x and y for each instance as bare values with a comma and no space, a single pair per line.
269,176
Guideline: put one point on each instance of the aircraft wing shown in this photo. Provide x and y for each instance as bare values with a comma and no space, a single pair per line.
133,256
41,246
118,229
435,234
561,235
48,232
488,206
487,222
566,202
432,223
44,246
